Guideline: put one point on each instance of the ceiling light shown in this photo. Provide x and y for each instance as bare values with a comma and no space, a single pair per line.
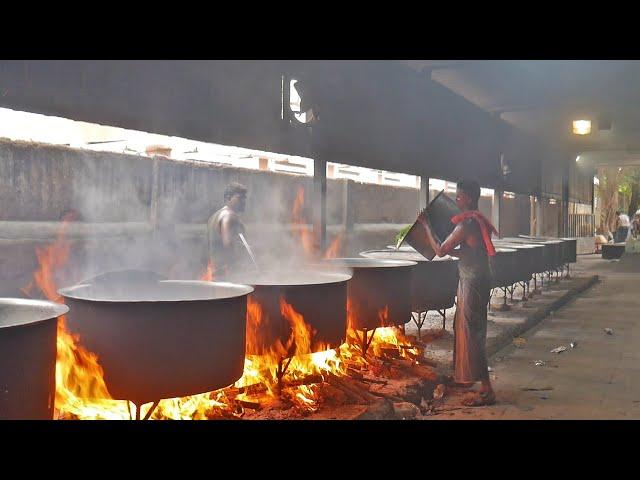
582,127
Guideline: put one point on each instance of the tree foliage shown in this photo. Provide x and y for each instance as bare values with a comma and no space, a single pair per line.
617,182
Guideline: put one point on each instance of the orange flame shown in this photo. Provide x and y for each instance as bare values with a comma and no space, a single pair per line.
303,231
333,251
385,338
306,235
209,273
50,259
303,361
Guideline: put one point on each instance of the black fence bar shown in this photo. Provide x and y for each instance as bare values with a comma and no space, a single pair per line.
581,225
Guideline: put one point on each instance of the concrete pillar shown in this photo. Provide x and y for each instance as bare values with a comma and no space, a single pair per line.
347,205
495,210
565,201
593,192
539,216
153,207
423,194
320,202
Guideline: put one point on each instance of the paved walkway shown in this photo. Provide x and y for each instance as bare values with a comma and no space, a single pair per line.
599,379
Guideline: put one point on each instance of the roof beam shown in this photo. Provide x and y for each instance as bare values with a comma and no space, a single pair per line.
426,67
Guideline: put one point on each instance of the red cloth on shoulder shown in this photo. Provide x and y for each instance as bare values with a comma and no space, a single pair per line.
486,228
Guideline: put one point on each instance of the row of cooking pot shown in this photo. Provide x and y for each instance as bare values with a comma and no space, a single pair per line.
517,259
157,338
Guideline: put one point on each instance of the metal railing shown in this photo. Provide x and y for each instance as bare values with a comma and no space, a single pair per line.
581,225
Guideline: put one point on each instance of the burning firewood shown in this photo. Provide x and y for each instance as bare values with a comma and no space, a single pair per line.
352,391
354,373
246,403
369,379
391,352
334,395
308,380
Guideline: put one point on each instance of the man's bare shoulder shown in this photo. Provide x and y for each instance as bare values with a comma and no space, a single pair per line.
223,214
470,228
230,216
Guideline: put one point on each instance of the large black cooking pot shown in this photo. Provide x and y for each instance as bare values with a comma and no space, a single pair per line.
569,247
377,286
28,332
504,267
160,339
527,257
552,253
571,250
434,283
320,297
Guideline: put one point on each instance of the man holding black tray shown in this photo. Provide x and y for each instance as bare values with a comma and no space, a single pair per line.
473,233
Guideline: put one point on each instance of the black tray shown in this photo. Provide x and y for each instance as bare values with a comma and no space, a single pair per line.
438,213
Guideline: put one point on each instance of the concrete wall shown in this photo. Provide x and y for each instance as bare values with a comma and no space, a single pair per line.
114,192
39,182
382,204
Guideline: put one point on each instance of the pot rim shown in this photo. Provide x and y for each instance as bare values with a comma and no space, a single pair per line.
45,309
353,262
447,258
329,278
241,290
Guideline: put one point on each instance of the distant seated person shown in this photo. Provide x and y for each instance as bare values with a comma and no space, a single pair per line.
602,238
622,227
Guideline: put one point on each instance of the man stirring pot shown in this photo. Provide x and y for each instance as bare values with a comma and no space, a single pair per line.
223,229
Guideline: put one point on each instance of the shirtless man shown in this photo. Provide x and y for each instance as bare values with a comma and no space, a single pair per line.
223,228
473,234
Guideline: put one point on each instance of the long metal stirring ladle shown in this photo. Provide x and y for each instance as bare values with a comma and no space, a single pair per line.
246,245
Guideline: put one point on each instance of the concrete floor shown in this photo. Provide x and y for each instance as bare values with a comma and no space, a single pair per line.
599,379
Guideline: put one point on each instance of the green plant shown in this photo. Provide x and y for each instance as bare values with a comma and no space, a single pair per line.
402,233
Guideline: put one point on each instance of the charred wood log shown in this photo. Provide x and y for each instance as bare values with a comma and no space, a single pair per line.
354,390
373,380
308,380
252,404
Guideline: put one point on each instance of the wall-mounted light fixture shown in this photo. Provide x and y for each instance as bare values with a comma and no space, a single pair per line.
578,158
582,127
